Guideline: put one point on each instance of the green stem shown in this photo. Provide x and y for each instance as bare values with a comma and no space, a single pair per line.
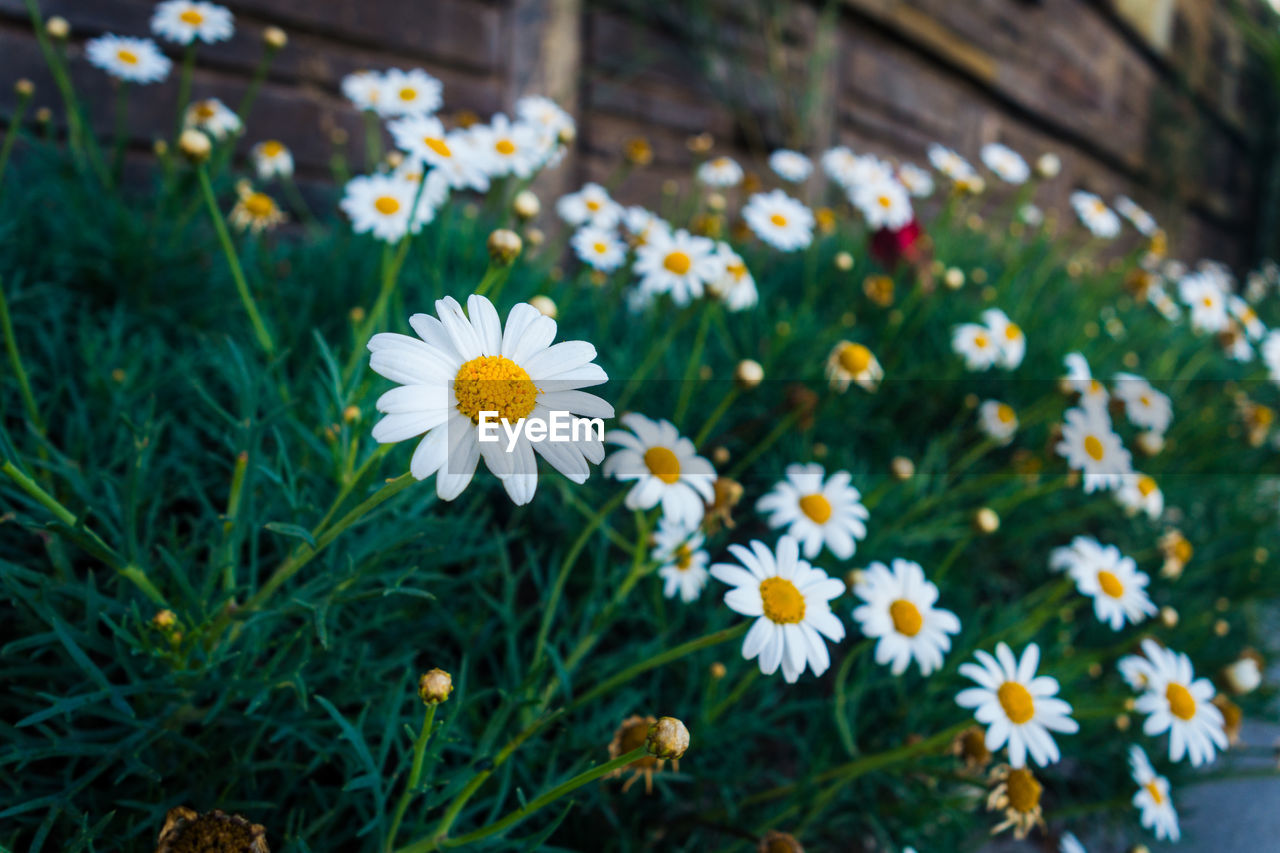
716,415
691,369
392,261
15,361
651,360
75,121
372,139
184,89
230,520
494,276
233,261
11,135
118,140
783,427
415,774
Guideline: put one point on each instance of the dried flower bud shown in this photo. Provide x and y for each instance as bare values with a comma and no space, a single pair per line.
275,38
57,27
748,374
902,468
985,521
504,247
1049,165
774,841
545,304
435,686
668,739
195,146
700,144
185,829
24,88
526,205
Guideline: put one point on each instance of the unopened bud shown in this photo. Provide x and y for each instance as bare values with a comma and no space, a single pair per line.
716,202
57,27
1169,617
24,88
1049,165
435,686
638,151
160,147
668,739
748,374
545,304
844,261
351,414
275,38
44,115
195,146
985,521
504,247
902,468
568,133
774,841
954,278
526,205
164,620
535,237
718,671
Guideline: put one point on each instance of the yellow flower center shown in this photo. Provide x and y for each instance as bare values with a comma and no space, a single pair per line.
1146,486
1110,584
437,145
1262,415
1181,703
1099,208
885,202
1093,447
1005,413
721,163
906,617
662,464
1154,790
192,18
272,148
678,262
1207,302
980,341
592,205
1024,791
783,603
1016,701
737,269
684,558
817,507
600,248
505,147
408,93
128,57
259,205
855,358
494,383
1012,332
205,111
386,205
779,220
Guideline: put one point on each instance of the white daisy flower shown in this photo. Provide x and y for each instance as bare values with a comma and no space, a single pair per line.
1153,799
1016,706
1136,671
1111,579
793,602
676,263
790,165
682,560
1079,379
869,169
589,204
381,205
466,364
1095,215
817,511
184,21
735,285
884,204
1030,214
1181,704
640,223
452,153
363,89
271,159
976,344
665,466
998,421
433,194
720,172
840,164
1247,317
1145,406
1163,302
599,248
213,117
549,117
508,148
1139,218
1270,350
1070,844
851,362
404,93
779,220
917,181
1140,493
1010,340
1091,446
950,163
133,60
1208,304
900,612
1005,163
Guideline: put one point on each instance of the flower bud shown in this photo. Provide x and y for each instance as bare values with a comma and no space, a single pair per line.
700,144
275,38
435,686
1243,676
954,278
844,261
716,202
351,414
720,455
195,146
902,468
1123,721
504,247
568,133
526,205
1049,165
44,115
774,841
160,147
1169,617
748,374
985,521
718,671
24,88
637,151
545,304
668,739
164,620
57,27
1150,442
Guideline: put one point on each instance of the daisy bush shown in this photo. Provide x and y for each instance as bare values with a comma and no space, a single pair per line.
908,506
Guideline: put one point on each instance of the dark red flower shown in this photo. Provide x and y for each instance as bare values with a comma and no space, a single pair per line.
891,247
